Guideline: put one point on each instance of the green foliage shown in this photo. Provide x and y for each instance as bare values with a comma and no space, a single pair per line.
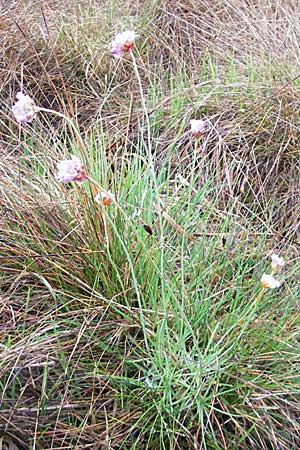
143,324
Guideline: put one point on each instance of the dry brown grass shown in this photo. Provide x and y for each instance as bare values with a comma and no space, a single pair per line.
69,334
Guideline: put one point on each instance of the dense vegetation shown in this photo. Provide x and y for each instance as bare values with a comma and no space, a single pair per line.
143,324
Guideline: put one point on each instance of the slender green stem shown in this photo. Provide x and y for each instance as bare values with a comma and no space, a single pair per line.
137,74
196,147
92,180
150,157
149,153
259,297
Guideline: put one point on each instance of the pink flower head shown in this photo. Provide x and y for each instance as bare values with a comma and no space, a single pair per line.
123,42
276,262
268,281
24,109
103,198
71,170
198,127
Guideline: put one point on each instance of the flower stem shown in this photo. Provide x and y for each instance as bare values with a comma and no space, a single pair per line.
137,74
150,158
259,296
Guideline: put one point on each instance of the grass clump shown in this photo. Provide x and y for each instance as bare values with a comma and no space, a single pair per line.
143,324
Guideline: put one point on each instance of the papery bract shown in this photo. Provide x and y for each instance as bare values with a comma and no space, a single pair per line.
71,170
269,282
198,127
24,109
103,198
123,42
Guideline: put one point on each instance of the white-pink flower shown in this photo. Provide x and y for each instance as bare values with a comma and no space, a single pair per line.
198,127
123,42
24,109
71,170
276,262
269,282
103,198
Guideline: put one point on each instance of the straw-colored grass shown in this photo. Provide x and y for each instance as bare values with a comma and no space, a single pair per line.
143,325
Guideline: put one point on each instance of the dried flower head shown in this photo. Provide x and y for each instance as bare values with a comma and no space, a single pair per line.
123,42
71,170
24,109
104,199
198,127
276,262
268,281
